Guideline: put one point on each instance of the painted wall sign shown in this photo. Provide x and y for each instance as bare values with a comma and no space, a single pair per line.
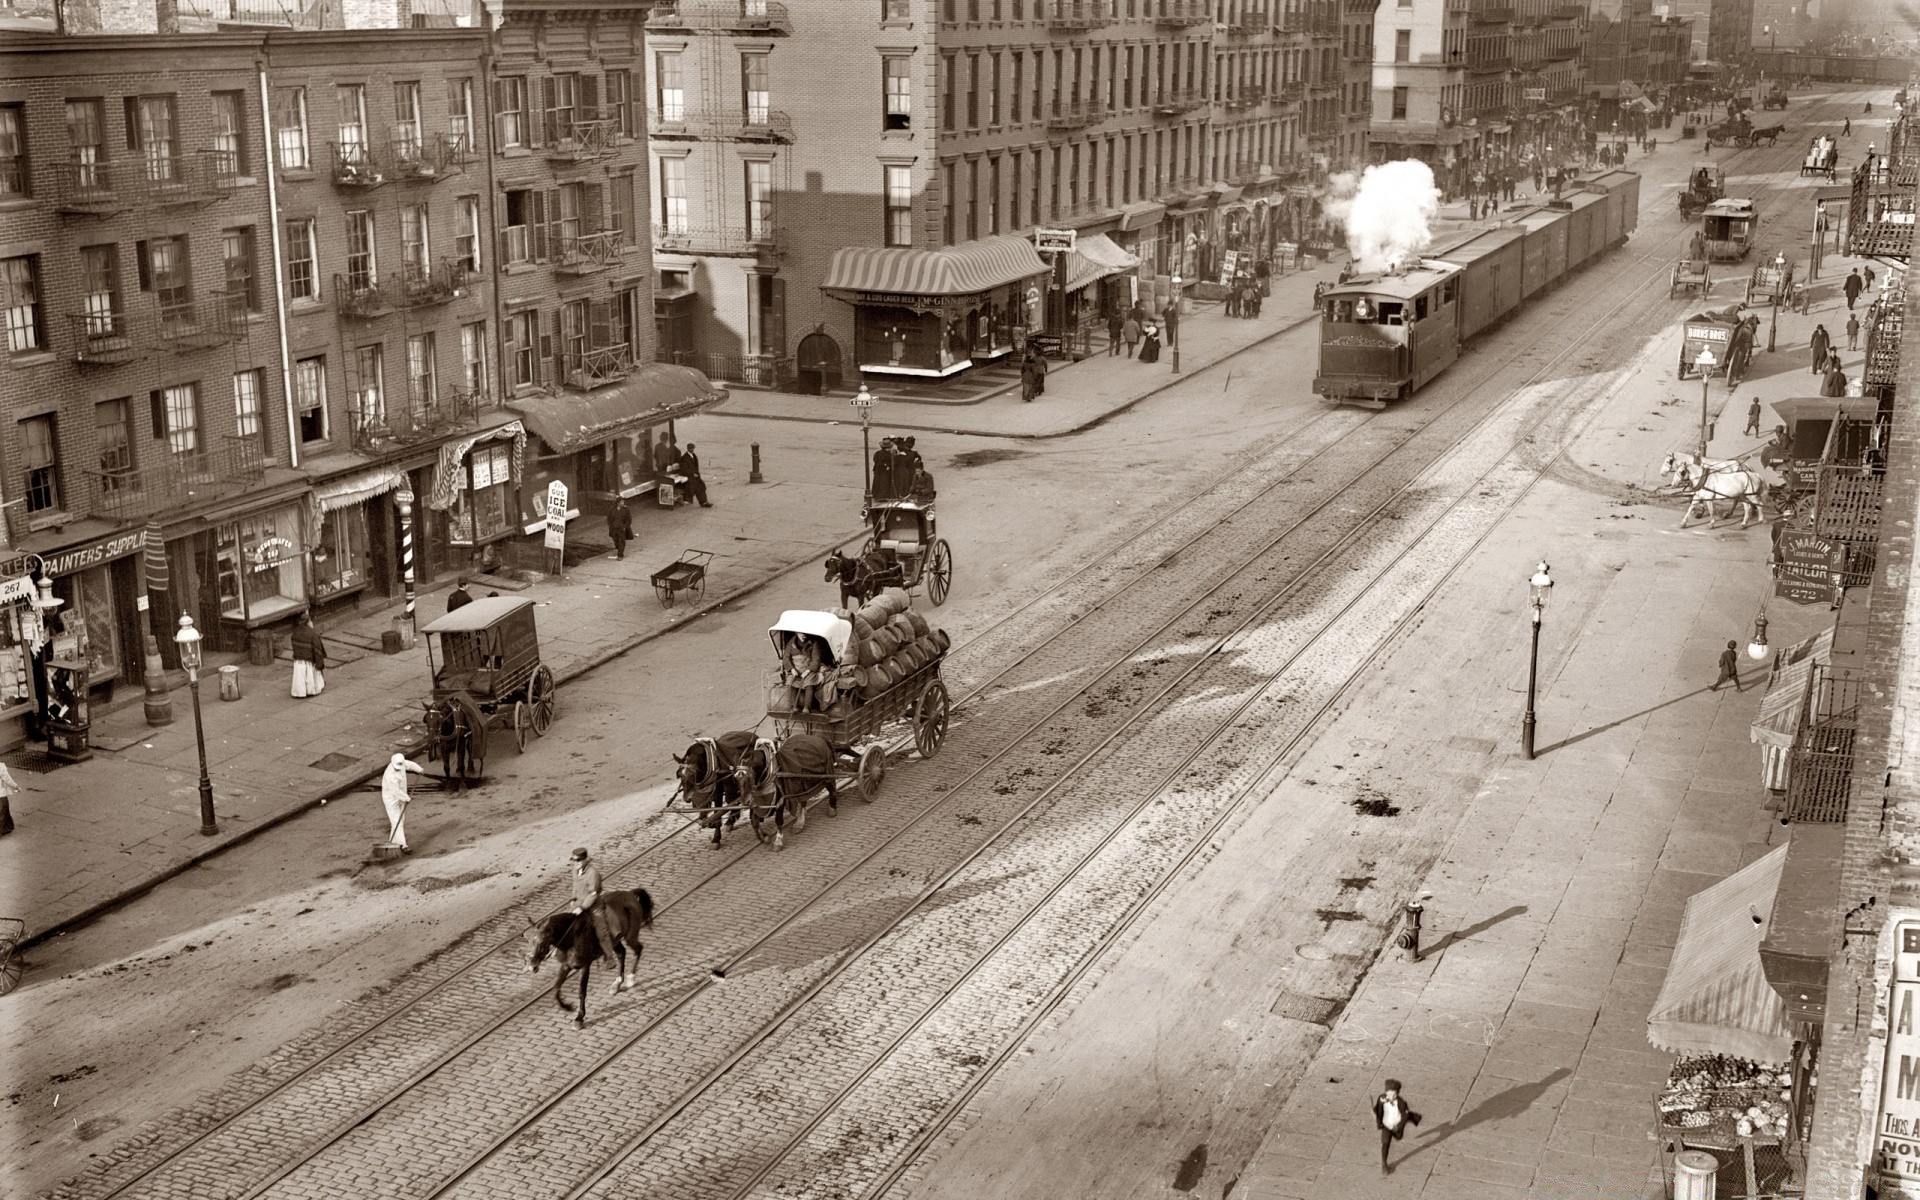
1896,1128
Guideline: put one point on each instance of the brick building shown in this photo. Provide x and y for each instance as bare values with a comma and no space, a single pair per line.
1669,50
1357,18
1618,48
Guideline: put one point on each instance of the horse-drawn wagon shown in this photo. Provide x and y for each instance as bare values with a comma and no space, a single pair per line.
1706,183
1728,227
487,673
1691,277
1770,283
1823,155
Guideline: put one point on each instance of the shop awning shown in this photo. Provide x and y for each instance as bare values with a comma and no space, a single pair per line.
656,392
1716,999
1417,135
348,490
1779,715
1141,214
1225,193
1825,408
966,269
1095,257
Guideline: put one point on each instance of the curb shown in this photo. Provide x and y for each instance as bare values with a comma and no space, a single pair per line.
135,890
1090,423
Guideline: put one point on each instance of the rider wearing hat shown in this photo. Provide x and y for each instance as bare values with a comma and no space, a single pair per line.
586,898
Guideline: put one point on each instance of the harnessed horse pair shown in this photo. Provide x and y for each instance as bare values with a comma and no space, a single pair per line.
770,781
1714,480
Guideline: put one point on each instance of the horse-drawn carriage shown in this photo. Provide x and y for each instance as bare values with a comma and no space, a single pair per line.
906,533
1690,276
1823,156
487,673
1713,332
1728,228
1741,132
1706,183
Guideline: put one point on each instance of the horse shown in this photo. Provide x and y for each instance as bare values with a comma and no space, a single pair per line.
450,724
707,779
573,936
778,780
856,588
1713,480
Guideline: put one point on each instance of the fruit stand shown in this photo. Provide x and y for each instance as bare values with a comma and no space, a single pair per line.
1741,1112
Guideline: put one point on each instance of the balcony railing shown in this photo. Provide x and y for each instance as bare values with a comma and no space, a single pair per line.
1177,103
429,157
1077,16
102,339
379,427
1492,12
1820,770
1879,222
1250,22
581,134
1183,14
199,324
585,253
756,370
163,181
359,164
1077,114
752,125
1246,97
361,298
178,480
733,16
711,239
1567,12
584,370
423,285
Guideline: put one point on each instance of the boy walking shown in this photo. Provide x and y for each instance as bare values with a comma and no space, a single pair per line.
1392,1115
1730,668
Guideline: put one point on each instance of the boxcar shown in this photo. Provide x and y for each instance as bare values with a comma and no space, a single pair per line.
1492,270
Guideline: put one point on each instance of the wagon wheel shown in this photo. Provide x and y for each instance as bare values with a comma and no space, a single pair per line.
522,724
872,769
664,591
939,571
541,694
11,969
930,719
698,585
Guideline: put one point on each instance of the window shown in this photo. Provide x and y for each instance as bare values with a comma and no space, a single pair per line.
460,115
290,128
1019,84
755,99
950,195
236,260
525,232
1403,45
20,277
360,262
949,84
899,206
420,371
473,358
897,91
302,281
466,240
41,462
150,133
1013,193
574,343
510,110
623,209
673,195
670,90
415,253
229,140
247,388
973,199
369,399
100,289
759,199
86,143
562,94
13,151
896,10
406,119
178,417
523,346
620,102
1399,104
491,464
113,443
993,92
310,398
351,99
973,91
993,195
626,321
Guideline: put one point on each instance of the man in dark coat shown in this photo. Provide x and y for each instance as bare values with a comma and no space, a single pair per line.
1392,1115
1033,375
689,465
664,454
1820,343
620,526
1835,383
1853,287
1116,324
459,597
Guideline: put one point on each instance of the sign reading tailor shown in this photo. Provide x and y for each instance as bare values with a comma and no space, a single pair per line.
1896,1128
1804,567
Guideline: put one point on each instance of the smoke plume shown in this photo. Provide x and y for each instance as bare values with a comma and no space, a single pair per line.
1388,212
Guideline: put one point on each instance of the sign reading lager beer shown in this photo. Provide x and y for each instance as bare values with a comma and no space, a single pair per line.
1896,1130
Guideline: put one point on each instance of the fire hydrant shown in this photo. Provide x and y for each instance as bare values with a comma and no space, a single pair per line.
1410,929
754,475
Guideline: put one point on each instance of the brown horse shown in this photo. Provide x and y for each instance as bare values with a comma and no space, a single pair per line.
572,934
707,779
777,780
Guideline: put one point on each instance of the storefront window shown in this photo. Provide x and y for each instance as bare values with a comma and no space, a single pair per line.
261,566
17,627
87,623
899,337
482,512
341,560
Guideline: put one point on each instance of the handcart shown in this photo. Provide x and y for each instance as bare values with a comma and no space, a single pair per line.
13,931
688,573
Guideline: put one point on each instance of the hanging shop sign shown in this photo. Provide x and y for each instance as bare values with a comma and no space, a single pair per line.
1804,567
78,558
1896,1127
1055,241
14,590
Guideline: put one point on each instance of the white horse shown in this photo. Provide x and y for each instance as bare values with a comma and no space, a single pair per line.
1713,480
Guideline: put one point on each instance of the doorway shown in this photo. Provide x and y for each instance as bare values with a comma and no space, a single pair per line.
819,365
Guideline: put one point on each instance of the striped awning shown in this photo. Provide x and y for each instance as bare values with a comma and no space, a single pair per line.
1095,256
1716,999
963,270
1779,716
653,394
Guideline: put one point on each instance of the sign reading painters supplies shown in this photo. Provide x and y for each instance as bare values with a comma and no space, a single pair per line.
1896,1129
1054,241
556,515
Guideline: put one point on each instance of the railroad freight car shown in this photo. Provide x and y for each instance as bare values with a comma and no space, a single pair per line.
1384,336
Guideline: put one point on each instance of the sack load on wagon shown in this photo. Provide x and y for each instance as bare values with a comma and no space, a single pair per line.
833,662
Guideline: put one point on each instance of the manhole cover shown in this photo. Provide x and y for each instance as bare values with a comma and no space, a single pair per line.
332,762
1314,1010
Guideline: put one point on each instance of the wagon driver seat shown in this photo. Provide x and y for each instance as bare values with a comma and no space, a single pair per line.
900,531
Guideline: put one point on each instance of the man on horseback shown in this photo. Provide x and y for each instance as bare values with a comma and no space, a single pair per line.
586,899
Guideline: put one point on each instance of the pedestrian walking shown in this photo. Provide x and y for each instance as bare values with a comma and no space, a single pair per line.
1853,331
459,597
1753,418
1835,384
1729,668
1846,127
1033,374
620,526
1232,305
1820,344
1392,1115
1150,344
1853,286
393,796
1130,330
309,659
9,788
1866,276
689,465
1116,331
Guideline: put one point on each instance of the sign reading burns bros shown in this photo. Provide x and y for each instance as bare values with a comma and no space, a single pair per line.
1896,1132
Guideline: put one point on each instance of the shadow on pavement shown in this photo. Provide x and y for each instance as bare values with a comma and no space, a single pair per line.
1619,721
1510,1103
1475,929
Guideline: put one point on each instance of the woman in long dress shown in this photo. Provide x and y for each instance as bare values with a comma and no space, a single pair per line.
309,659
1150,344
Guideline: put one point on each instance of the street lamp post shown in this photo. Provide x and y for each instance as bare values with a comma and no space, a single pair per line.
1706,363
1780,283
188,639
863,400
1173,325
1537,589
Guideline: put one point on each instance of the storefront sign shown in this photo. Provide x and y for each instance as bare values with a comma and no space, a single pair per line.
269,552
1054,241
556,515
79,558
1896,1129
14,590
1229,267
1804,567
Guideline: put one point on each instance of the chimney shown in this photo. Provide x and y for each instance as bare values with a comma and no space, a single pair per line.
166,16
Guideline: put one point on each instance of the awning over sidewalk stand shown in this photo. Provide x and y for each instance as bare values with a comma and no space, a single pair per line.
1774,727
1806,920
349,490
1825,408
970,267
1716,998
1225,193
656,392
1096,257
1141,214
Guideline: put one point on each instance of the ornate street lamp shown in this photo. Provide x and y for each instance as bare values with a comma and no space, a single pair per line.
188,639
1757,648
1173,325
1538,588
863,400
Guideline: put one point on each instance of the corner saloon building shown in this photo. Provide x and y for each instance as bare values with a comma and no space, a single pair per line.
274,298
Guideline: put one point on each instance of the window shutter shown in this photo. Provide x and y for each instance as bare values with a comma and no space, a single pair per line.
547,107
500,112
144,261
157,406
537,225
133,122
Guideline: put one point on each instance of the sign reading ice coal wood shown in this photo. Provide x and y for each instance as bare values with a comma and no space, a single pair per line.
1896,1128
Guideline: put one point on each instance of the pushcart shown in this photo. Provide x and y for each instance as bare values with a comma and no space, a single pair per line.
13,931
688,573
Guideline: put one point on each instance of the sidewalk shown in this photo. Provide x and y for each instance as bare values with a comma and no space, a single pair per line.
93,834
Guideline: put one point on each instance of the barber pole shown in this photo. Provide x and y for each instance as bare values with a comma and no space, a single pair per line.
404,498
